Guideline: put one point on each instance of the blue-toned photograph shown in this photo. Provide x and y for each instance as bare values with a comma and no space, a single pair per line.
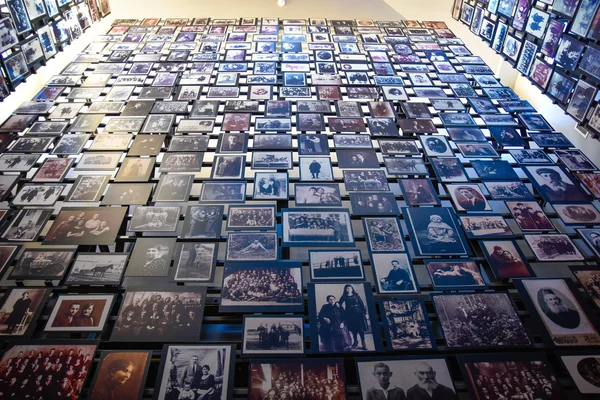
271,186
499,36
537,22
507,137
374,203
494,169
499,120
19,16
516,106
457,119
366,158
437,146
382,127
554,184
352,141
508,190
560,86
473,150
583,95
336,264
511,47
317,194
569,51
506,7
466,135
405,166
455,274
530,156
449,169
294,79
463,90
554,139
419,192
252,246
527,57
501,93
482,105
535,122
312,144
435,231
384,235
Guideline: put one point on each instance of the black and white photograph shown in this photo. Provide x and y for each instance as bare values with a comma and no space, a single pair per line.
135,169
88,188
250,246
272,286
316,227
584,371
127,193
181,162
80,313
508,190
407,326
419,192
188,143
173,187
196,372
575,160
405,166
468,197
223,192
159,315
343,318
553,247
86,226
480,320
27,225
394,273
17,162
154,219
196,262
336,265
449,169
435,231
228,167
506,259
251,217
38,195
273,335
374,203
530,156
365,180
477,150
272,160
455,274
405,378
97,269
318,194
577,214
559,311
87,162
271,186
40,264
20,308
436,146
232,143
151,257
485,226
312,144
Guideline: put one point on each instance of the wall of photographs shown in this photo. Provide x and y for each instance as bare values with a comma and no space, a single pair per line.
552,43
299,209
34,31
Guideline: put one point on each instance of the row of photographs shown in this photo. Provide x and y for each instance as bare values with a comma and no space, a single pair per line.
198,371
535,40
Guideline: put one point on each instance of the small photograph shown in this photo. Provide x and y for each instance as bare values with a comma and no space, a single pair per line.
135,169
266,377
406,377
530,156
31,145
232,143
406,325
97,269
146,145
436,146
361,180
480,320
114,142
274,286
236,122
508,190
188,370
449,169
88,188
188,143
417,125
174,314
27,225
384,234
151,257
550,139
335,265
272,160
259,217
75,313
352,141
181,162
70,144
455,275
382,127
95,162
374,203
394,274
37,264
228,167
577,214
20,309
271,186
468,197
127,194
583,370
220,192
485,226
506,259
252,247
575,160
173,187
435,231
121,374
315,169
317,227
272,141
366,158
313,144
418,192
345,318
18,162
38,195
154,219
477,150
535,122
494,169
589,278
505,136
553,247
86,226
554,301
196,262
325,194
273,335
53,170
529,216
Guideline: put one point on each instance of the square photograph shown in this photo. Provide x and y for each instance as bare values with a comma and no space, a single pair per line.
271,186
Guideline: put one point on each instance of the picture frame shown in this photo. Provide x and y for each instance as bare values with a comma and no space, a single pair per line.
329,226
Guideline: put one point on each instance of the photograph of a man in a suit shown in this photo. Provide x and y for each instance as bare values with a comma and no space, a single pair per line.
469,199
191,373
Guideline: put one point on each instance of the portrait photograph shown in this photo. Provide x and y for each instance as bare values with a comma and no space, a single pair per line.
42,264
79,313
203,222
575,160
173,187
273,335
435,231
529,216
150,315
553,301
406,324
127,194
316,227
323,194
121,374
88,188
27,225
196,262
510,376
223,193
86,226
394,273
485,226
374,203
271,186
366,158
449,169
77,356
553,247
436,146
135,169
589,278
418,192
468,197
195,372
480,320
344,315
336,265
584,370
384,234
20,309
455,275
151,257
272,286
577,214
232,143
228,167
313,144
415,377
506,259
268,377
97,269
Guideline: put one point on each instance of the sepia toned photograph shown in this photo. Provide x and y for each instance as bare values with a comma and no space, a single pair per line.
173,187
75,313
468,197
577,214
41,264
529,216
135,169
151,257
406,325
88,188
584,370
589,278
160,315
97,269
506,259
121,375
181,162
154,219
27,225
553,247
127,194
20,309
314,227
98,161
455,275
273,335
38,195
196,262
255,217
223,192
86,226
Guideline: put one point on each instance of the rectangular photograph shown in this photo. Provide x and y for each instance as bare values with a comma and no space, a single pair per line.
196,262
406,325
435,231
79,313
273,335
86,226
336,264
121,374
97,269
455,275
316,227
20,309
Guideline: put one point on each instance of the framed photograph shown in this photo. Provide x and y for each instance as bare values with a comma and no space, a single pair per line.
554,305
480,320
17,353
19,15
228,167
151,257
20,308
344,315
223,192
146,145
196,262
154,219
575,160
405,166
404,377
188,143
242,279
16,67
273,335
96,161
468,197
317,227
266,373
18,162
174,313
494,169
79,313
27,225
97,269
477,150
455,275
40,264
529,216
393,273
554,184
121,373
491,226
383,234
374,203
530,156
582,369
553,247
506,259
312,144
38,195
537,22
271,186
435,232
449,169
86,226
88,188
336,265
406,325
323,194
189,370
588,277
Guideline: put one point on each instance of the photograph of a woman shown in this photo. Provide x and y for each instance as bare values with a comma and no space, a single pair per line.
121,375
